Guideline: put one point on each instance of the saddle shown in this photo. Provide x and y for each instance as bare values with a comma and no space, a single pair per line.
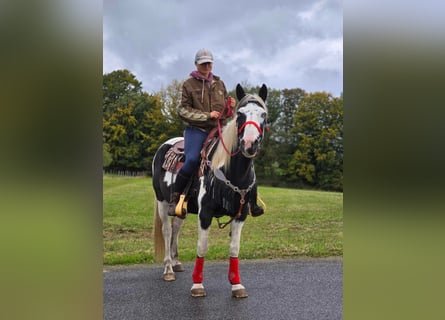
175,157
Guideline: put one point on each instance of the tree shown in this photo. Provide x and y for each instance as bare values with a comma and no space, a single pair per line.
318,158
289,102
106,155
170,98
302,147
132,122
116,84
268,165
279,144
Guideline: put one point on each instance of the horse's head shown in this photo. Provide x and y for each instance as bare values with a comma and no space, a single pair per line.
251,120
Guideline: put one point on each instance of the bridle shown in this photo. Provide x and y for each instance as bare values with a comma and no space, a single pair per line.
252,123
228,112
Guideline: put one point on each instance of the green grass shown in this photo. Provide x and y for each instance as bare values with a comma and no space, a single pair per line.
297,223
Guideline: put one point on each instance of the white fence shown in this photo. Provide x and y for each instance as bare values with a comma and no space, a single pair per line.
127,173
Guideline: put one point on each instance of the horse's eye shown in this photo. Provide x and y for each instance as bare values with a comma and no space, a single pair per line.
263,115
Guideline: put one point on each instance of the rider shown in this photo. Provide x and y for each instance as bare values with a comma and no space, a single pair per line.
202,101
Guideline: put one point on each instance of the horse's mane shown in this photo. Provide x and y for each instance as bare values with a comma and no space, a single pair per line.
229,135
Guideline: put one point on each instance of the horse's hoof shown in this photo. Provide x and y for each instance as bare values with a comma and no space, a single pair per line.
198,290
238,291
178,268
241,293
169,277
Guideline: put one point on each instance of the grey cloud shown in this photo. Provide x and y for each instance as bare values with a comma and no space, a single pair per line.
157,40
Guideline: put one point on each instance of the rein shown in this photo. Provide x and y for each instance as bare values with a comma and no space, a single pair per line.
229,113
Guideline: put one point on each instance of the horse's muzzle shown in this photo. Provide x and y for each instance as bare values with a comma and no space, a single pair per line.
249,147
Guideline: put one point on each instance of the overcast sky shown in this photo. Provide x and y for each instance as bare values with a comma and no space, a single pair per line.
282,43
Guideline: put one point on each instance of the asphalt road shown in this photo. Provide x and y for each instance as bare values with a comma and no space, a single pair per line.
278,289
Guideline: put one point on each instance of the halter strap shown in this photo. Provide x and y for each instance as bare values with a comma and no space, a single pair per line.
252,123
251,98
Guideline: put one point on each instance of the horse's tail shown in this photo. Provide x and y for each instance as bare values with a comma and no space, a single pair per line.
159,248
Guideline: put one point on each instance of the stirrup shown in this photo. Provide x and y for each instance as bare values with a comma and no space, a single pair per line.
181,207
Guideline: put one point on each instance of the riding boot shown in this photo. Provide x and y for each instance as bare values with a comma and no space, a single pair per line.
181,181
255,209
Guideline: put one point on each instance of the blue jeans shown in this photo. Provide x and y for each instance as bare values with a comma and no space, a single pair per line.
193,141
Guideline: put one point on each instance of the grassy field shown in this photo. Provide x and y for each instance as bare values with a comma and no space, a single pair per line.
297,223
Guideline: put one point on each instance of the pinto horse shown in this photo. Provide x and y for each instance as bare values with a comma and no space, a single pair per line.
224,188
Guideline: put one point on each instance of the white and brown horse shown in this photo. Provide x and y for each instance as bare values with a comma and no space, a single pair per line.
225,188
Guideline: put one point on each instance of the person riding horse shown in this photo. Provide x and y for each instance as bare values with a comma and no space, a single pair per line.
202,101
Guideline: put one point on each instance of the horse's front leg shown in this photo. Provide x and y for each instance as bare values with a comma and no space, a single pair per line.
198,272
176,228
238,290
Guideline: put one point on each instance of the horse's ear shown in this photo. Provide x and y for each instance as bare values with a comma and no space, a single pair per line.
263,92
240,92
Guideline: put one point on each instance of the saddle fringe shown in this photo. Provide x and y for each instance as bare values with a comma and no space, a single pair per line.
173,161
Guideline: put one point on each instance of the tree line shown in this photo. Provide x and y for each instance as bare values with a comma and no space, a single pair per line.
303,147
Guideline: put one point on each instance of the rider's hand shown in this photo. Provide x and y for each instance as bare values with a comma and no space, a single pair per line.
232,102
215,114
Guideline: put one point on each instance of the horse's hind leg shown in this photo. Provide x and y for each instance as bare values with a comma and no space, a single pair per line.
169,274
238,290
176,228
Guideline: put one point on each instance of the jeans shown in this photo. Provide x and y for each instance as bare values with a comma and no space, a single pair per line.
193,141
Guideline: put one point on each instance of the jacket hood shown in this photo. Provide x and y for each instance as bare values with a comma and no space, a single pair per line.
195,74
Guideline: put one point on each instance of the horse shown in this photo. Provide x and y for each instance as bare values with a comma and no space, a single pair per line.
224,187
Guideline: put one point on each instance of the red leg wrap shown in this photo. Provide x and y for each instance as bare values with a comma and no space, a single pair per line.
198,271
234,277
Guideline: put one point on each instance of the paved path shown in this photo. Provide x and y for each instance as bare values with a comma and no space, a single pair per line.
278,289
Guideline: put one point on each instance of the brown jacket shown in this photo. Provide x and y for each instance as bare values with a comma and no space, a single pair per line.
198,99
